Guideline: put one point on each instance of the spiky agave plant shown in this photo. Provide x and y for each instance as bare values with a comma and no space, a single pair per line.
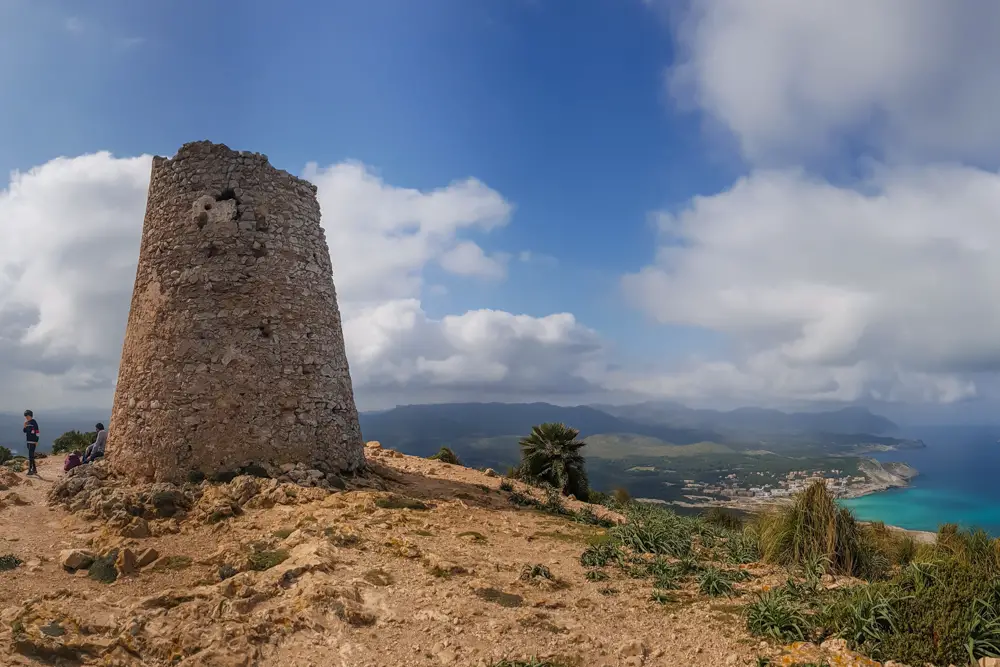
551,455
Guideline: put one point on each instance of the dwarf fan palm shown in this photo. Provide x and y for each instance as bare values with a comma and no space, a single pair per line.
551,455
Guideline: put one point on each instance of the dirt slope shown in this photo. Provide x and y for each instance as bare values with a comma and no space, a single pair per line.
369,578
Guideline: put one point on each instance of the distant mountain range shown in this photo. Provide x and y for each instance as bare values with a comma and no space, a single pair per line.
489,431
423,429
852,420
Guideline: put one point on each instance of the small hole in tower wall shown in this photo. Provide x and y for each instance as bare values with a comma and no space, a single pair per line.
225,195
260,251
212,250
265,330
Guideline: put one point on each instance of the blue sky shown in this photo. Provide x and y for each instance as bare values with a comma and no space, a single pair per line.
558,106
600,122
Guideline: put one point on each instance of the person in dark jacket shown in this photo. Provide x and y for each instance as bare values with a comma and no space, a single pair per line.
31,434
72,461
96,449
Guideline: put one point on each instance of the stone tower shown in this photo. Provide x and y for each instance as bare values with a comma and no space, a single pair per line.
234,351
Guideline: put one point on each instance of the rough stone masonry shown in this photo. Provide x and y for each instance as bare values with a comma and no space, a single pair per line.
234,351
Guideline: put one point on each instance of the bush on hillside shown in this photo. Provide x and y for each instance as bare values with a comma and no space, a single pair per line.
5,455
550,455
716,516
943,613
814,527
445,455
71,441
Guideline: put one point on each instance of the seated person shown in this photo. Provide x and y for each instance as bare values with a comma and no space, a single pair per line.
72,461
96,450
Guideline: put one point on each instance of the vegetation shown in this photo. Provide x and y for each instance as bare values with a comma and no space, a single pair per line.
930,603
551,455
446,456
5,455
814,526
716,516
400,503
72,441
10,562
265,559
103,568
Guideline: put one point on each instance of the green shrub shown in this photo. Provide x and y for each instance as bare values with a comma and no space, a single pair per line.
533,572
813,525
662,597
716,516
551,454
598,498
5,455
71,441
654,530
600,555
714,583
742,548
447,456
969,547
940,613
265,560
905,550
10,562
103,568
506,485
399,503
775,615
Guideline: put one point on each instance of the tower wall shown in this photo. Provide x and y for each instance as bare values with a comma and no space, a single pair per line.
234,352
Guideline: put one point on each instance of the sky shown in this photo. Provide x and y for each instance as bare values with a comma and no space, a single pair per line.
714,202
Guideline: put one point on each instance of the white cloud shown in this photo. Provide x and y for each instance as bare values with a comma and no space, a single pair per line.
69,238
468,259
381,237
791,79
395,346
831,293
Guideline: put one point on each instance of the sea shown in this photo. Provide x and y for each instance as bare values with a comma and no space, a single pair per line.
959,482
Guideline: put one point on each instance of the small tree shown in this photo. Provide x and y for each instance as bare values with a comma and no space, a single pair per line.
551,455
71,441
5,455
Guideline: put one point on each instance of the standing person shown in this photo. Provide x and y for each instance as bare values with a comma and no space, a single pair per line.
31,433
96,450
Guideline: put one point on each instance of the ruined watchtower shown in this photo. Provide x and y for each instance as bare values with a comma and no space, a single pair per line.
234,351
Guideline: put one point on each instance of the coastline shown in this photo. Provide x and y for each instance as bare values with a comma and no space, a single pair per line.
882,477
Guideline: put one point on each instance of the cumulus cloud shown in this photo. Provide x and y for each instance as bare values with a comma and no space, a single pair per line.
792,79
69,240
396,346
381,237
468,259
69,237
887,291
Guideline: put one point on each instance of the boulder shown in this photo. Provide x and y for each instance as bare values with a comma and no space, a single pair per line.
147,557
126,562
137,528
76,559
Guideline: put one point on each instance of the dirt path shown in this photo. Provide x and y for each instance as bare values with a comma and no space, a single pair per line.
362,583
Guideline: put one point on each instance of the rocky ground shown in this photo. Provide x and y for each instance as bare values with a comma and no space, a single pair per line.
417,563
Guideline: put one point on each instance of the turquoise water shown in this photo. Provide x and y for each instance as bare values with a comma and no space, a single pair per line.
959,482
